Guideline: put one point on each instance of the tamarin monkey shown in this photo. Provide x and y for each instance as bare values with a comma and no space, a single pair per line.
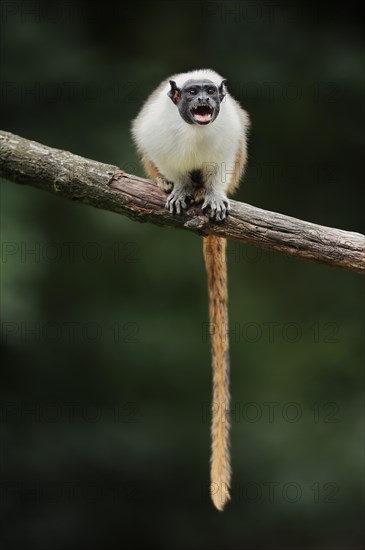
191,135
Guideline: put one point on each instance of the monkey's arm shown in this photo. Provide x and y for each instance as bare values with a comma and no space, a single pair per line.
179,192
241,157
240,166
154,173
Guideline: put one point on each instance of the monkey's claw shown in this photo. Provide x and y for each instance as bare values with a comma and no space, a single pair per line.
177,202
217,207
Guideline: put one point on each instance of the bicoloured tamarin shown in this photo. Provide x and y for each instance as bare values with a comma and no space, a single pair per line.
192,136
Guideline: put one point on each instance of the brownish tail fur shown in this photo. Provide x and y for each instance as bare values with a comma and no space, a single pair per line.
214,249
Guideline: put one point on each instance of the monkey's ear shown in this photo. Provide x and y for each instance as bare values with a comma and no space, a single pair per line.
174,93
222,90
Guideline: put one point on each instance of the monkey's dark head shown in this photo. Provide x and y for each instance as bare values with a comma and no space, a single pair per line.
198,101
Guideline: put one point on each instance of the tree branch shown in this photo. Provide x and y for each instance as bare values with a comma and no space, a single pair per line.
107,187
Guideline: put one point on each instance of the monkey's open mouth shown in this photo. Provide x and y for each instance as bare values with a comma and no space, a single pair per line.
202,114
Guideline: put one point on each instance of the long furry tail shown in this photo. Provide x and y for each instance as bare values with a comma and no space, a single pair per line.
214,249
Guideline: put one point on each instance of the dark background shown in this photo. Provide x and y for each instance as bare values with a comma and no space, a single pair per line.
105,371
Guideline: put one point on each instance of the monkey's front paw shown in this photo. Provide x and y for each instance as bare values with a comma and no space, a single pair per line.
165,185
217,206
177,202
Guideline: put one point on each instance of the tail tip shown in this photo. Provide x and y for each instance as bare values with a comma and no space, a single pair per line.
220,495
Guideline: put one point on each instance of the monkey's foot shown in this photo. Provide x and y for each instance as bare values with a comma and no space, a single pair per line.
217,206
165,185
178,201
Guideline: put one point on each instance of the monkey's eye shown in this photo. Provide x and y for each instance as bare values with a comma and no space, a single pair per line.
211,91
192,91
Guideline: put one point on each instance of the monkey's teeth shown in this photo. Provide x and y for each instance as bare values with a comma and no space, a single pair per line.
202,114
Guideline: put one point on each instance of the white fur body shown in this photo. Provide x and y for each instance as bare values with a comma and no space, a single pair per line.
177,148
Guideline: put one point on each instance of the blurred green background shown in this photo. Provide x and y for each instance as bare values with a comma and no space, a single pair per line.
105,372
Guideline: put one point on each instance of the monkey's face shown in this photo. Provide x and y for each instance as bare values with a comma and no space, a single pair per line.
198,101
